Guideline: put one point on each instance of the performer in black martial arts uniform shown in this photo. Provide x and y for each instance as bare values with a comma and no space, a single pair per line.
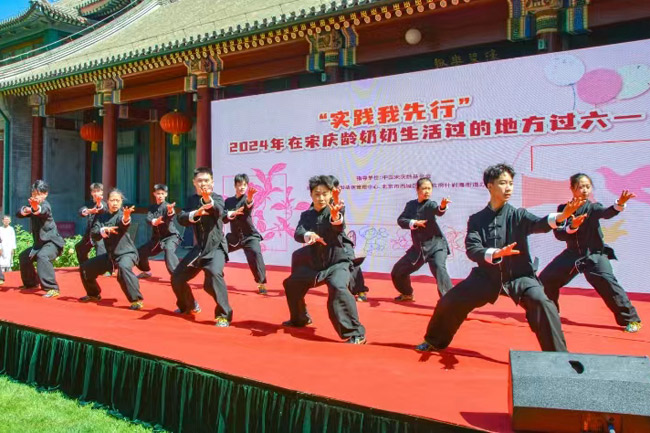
47,246
243,233
303,255
121,253
204,211
90,211
330,262
429,243
164,234
492,235
587,252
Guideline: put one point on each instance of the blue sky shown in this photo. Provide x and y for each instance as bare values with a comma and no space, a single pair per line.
11,8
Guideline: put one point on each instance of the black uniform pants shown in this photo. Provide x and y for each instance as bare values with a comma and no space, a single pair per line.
357,281
44,259
598,272
341,305
476,291
401,273
302,257
214,283
253,251
84,246
155,246
99,265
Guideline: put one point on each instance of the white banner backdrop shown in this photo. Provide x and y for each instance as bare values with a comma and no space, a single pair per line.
550,116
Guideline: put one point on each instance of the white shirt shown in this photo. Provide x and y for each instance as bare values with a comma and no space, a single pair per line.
8,238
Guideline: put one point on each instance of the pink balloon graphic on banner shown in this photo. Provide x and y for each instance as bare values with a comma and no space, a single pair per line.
599,86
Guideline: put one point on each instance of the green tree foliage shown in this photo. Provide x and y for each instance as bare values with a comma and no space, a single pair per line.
68,257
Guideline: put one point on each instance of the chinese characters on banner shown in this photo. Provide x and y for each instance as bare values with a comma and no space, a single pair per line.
417,122
397,181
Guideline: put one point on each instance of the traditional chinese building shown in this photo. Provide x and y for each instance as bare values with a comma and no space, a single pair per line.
117,67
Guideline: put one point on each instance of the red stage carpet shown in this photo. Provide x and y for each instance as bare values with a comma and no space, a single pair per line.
465,385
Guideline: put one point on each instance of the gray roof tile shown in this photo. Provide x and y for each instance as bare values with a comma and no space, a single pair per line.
164,23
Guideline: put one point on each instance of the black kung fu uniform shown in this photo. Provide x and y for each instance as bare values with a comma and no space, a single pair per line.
587,252
164,237
121,253
86,243
429,246
243,234
210,254
329,264
514,275
48,245
302,257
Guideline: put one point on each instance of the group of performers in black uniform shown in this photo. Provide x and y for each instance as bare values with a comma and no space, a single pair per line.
497,241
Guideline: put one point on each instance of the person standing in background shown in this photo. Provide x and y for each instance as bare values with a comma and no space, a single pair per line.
429,243
8,240
164,234
96,206
243,233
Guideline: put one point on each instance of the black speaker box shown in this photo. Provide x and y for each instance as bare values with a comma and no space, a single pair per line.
570,392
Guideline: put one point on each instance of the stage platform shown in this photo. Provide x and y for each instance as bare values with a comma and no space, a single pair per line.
466,385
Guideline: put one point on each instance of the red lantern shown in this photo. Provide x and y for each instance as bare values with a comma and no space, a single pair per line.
92,132
175,123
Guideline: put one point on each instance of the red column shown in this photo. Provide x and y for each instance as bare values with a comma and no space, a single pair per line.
37,148
109,159
203,135
334,74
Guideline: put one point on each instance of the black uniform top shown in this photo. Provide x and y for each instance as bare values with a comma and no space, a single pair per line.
242,225
346,239
167,228
489,229
589,237
116,244
91,217
208,229
43,227
428,239
324,256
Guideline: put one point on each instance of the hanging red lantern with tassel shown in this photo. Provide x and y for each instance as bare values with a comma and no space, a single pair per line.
92,132
176,123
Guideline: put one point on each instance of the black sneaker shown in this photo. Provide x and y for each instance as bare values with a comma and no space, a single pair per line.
359,339
144,275
292,324
89,298
405,298
221,322
195,310
633,327
426,347
362,297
